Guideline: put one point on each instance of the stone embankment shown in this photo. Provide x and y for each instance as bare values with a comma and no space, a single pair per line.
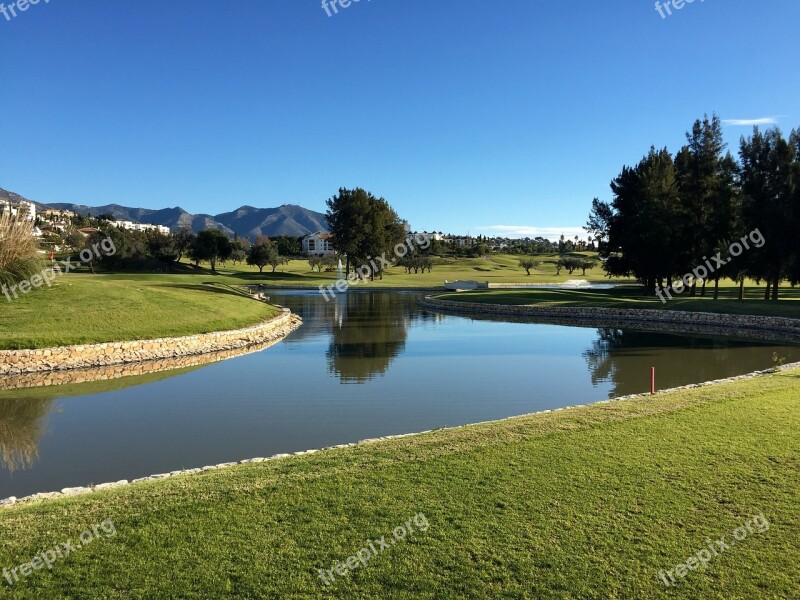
52,360
137,369
750,326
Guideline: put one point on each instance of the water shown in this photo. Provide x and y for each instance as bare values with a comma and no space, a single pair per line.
363,365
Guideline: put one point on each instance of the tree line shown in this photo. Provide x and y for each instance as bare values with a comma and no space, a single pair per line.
671,214
152,250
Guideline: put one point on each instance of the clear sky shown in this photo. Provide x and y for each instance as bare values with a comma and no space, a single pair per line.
464,115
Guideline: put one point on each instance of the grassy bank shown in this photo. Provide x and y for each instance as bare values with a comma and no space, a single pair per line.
590,502
84,308
495,268
628,297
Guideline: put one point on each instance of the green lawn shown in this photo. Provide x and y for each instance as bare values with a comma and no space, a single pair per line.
84,308
502,268
630,297
586,503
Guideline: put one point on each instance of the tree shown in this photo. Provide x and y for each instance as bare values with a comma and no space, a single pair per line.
131,248
262,253
183,241
162,248
238,255
636,231
239,249
480,249
364,227
706,183
794,270
328,262
768,173
587,264
211,245
571,264
668,216
347,215
528,263
315,262
276,260
288,245
74,240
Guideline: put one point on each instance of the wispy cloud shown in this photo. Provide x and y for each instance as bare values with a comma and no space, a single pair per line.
751,122
523,231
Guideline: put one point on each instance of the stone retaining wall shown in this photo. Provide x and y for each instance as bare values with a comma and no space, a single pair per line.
751,326
71,376
18,362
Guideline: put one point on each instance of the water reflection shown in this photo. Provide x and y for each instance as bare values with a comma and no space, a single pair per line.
623,357
370,331
22,424
366,364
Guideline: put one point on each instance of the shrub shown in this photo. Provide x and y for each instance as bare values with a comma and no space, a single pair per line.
19,251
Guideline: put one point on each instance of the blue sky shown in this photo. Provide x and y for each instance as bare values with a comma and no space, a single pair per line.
464,115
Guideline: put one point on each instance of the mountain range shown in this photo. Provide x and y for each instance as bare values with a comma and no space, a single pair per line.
247,221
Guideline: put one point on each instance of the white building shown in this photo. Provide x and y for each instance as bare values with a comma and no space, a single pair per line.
319,243
462,241
421,236
23,208
131,226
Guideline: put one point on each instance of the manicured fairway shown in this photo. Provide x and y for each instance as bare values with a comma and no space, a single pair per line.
84,308
583,503
631,297
495,268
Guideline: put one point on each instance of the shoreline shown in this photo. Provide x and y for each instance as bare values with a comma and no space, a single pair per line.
13,501
91,356
765,328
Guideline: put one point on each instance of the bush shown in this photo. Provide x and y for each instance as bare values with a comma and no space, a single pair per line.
19,251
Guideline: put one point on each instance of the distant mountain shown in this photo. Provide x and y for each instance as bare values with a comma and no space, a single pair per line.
12,197
288,219
246,221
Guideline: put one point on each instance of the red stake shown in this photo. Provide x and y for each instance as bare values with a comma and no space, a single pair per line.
652,380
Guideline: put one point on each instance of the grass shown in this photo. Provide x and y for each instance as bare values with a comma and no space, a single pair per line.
589,502
502,268
83,308
629,297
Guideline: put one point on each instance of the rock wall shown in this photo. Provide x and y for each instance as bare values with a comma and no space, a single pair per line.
750,326
68,376
19,362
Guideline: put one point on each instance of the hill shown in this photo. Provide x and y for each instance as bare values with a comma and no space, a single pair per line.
247,221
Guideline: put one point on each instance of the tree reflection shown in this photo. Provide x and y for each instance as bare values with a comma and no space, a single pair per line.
369,332
623,357
21,427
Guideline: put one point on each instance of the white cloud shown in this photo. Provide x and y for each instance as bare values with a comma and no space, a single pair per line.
751,122
523,231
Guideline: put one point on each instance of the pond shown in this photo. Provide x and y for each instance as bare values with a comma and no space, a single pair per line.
366,364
